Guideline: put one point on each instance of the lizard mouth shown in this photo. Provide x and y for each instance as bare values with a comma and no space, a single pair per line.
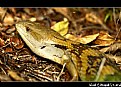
21,29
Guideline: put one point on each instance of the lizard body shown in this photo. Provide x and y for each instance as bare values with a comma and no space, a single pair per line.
81,61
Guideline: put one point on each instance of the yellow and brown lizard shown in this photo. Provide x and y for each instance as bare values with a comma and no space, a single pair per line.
81,61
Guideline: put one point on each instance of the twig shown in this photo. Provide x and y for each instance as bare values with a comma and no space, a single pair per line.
37,75
116,23
47,68
117,33
100,69
61,72
114,18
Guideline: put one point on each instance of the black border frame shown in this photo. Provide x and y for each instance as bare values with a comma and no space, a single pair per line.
60,3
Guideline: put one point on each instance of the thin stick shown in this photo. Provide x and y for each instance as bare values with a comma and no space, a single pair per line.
61,72
100,68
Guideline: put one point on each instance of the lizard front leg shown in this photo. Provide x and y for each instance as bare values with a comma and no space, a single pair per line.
67,58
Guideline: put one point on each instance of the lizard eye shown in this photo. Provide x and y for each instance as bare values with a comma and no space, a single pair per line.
27,28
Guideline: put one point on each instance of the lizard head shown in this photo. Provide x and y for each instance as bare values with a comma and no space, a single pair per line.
26,26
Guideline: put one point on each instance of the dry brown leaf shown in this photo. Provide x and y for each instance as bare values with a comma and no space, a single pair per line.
17,43
13,10
112,47
15,76
24,16
29,11
2,42
88,39
105,36
83,40
104,49
8,20
63,11
91,17
116,58
104,42
8,49
104,39
2,13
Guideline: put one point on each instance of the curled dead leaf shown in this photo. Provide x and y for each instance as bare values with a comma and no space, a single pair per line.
8,49
17,43
104,39
104,42
2,42
63,11
105,36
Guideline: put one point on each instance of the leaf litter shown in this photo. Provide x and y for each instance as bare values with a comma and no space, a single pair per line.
91,26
